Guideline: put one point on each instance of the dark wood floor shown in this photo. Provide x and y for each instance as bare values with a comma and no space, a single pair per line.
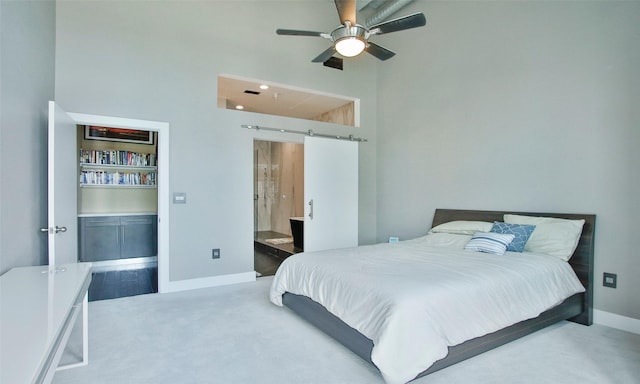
114,284
268,257
265,264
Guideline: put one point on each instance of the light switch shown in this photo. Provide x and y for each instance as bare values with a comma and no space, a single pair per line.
179,198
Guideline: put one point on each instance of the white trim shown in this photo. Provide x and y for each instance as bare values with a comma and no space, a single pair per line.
208,282
51,240
612,320
162,129
118,122
356,113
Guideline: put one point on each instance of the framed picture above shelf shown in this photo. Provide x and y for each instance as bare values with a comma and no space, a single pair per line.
93,132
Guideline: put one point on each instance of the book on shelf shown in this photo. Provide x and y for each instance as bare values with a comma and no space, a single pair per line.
117,157
96,177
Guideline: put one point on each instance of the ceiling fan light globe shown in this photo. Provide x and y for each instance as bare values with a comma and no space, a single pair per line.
350,46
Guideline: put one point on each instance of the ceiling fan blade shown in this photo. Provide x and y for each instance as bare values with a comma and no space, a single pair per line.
295,32
324,56
378,51
346,10
400,24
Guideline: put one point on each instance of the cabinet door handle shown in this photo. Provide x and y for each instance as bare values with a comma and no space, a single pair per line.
138,221
311,209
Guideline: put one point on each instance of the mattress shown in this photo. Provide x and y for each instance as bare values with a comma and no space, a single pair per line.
414,299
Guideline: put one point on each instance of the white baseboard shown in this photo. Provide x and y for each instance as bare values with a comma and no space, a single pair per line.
207,282
612,320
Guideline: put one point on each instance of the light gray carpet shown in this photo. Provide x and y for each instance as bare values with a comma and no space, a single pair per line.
233,334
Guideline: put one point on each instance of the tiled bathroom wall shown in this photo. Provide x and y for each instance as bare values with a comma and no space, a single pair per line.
278,185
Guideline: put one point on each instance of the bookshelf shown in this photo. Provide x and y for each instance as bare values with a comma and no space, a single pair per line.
112,168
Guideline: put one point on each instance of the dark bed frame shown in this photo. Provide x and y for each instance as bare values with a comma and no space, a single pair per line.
577,308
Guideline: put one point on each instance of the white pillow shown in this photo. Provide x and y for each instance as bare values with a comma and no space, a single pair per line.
489,242
552,236
449,240
462,227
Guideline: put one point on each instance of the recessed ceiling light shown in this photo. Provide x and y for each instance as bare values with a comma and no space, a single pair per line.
264,86
239,107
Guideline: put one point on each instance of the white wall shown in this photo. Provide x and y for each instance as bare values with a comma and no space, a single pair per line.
527,106
27,48
160,60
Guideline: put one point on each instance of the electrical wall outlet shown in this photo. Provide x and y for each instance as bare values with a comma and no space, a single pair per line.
215,253
609,280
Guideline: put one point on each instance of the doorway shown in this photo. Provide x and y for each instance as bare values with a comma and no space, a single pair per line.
278,203
69,201
324,204
118,210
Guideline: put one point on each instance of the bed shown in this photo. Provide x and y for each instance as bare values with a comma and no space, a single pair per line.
333,303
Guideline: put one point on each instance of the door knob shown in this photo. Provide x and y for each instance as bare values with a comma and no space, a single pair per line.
54,230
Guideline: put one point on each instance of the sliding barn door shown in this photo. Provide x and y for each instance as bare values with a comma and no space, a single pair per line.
62,187
331,194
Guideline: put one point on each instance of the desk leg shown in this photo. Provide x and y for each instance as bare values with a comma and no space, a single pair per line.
85,337
85,329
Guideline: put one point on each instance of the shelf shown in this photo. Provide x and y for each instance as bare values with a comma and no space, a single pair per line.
105,214
117,169
117,186
116,158
110,166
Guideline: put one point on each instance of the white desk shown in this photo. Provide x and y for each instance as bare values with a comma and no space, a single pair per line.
38,308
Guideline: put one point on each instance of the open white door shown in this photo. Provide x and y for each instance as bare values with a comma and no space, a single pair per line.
62,187
331,194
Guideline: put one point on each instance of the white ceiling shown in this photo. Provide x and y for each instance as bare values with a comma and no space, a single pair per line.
278,100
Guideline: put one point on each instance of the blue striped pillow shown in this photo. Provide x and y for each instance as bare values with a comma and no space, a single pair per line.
489,242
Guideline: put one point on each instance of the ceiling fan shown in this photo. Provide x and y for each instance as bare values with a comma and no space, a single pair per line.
350,38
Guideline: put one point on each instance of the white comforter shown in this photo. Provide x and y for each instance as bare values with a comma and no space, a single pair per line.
413,300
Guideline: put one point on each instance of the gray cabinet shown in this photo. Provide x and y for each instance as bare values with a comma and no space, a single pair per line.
139,236
117,237
99,238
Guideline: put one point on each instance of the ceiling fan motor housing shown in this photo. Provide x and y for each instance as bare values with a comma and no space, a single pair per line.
346,31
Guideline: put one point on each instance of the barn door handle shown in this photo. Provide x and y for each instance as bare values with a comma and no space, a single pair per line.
311,209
